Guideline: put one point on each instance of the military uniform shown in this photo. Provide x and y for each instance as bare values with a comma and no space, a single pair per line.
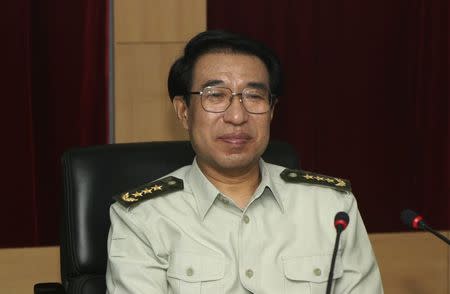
181,235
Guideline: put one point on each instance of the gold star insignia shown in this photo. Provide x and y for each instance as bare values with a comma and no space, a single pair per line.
137,194
312,178
340,183
157,188
147,191
126,197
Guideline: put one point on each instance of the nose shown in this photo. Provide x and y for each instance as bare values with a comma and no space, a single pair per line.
236,113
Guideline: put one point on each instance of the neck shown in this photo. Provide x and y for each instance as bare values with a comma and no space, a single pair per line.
238,185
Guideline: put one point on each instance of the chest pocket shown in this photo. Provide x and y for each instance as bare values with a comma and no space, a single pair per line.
309,274
194,273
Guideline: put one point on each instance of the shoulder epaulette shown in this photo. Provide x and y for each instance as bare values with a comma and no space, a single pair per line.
150,190
301,176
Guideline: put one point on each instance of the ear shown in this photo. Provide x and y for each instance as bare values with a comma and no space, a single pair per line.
272,110
181,110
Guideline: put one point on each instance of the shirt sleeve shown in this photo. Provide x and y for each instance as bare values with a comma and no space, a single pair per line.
361,273
133,266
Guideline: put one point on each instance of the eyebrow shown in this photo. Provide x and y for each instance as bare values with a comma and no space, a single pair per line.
256,85
210,83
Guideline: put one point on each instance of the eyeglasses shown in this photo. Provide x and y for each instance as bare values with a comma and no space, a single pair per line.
218,99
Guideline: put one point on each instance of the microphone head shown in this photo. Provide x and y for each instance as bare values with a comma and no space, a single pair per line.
411,219
341,220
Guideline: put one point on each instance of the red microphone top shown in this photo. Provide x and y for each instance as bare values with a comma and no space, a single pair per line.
341,220
416,222
341,223
411,219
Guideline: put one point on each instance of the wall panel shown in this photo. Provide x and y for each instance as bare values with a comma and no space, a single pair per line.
143,108
149,36
158,20
21,268
412,263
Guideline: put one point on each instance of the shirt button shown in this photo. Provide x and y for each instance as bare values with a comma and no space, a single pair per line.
317,271
190,272
292,175
249,273
246,219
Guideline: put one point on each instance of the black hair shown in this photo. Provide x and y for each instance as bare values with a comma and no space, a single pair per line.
180,76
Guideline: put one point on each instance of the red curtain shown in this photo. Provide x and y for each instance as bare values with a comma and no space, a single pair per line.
55,98
366,95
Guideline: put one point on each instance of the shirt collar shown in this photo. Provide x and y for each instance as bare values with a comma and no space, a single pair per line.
267,182
205,192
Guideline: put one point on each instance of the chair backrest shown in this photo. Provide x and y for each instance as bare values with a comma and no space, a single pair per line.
92,175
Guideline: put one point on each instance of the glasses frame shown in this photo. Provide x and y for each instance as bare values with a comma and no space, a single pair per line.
272,98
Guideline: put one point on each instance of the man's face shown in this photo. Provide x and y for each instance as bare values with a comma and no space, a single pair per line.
234,140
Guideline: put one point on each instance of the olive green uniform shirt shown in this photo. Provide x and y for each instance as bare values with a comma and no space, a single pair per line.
197,241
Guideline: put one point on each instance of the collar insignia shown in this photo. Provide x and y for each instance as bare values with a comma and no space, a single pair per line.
150,190
301,176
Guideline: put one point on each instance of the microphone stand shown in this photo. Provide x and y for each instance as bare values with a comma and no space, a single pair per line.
339,230
425,227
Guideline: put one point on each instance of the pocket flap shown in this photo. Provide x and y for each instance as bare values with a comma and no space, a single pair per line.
311,268
195,267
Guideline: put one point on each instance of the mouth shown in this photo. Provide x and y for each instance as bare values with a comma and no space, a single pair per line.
237,139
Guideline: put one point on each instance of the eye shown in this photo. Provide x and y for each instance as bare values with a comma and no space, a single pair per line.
216,96
255,95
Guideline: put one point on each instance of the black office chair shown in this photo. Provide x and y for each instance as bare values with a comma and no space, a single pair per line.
91,176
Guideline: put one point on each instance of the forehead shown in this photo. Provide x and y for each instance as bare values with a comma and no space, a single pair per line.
229,68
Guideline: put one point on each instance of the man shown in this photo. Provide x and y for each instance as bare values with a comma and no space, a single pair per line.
231,223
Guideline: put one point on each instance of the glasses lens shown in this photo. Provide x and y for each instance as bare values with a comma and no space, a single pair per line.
256,100
216,99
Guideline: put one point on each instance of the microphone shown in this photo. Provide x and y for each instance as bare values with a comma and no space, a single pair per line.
415,221
341,221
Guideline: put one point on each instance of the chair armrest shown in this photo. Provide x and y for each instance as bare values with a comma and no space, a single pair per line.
49,288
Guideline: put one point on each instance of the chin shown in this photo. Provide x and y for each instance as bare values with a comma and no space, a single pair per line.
236,156
237,160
